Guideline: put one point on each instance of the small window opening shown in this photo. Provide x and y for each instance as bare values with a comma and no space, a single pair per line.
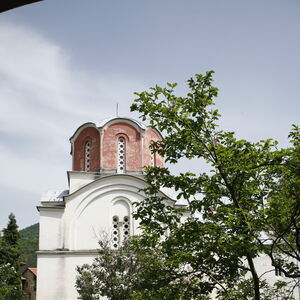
115,234
126,228
87,156
152,159
278,272
120,231
121,155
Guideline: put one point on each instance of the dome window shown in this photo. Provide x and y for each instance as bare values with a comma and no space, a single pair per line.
152,159
87,156
121,154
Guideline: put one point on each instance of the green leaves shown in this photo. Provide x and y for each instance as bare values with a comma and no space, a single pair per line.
249,200
10,278
246,206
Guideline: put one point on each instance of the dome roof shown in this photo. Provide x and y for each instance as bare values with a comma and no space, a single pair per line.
103,122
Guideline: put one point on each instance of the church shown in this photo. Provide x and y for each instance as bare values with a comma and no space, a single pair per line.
106,179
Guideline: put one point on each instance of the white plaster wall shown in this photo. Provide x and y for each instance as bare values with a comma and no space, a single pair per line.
267,271
78,180
89,211
78,227
57,275
50,228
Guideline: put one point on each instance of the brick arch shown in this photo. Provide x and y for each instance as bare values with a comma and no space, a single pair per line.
111,134
124,135
88,134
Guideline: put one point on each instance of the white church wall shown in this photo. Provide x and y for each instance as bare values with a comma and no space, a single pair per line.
76,229
98,204
50,228
78,180
89,211
57,274
266,271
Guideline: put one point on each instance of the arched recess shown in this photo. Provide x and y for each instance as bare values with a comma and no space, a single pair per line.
121,221
90,209
152,156
86,136
151,159
90,218
132,137
121,167
87,154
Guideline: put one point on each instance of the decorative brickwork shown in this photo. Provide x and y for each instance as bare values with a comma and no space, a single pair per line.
91,136
132,138
154,159
99,148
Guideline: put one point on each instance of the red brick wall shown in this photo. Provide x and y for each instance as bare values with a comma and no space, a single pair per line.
150,136
92,135
105,156
110,147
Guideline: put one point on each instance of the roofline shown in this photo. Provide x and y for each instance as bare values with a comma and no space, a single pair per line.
105,122
80,128
99,126
156,131
48,207
32,270
115,175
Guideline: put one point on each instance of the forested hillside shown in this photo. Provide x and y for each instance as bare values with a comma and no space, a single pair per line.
29,240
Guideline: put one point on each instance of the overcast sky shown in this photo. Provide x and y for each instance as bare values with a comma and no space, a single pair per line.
63,63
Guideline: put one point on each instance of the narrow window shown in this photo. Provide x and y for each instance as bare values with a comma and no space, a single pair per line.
115,234
152,156
152,159
121,155
126,228
120,231
87,156
278,272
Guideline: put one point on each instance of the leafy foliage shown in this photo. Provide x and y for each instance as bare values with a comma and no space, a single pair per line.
246,206
243,291
113,273
283,212
10,279
239,200
136,270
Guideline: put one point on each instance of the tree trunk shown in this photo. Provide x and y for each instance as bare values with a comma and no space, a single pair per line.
254,277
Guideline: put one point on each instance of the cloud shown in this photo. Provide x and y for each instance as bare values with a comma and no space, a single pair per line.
44,98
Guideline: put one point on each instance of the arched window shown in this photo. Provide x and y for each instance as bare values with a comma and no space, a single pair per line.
121,155
115,233
87,156
152,156
120,230
126,228
152,159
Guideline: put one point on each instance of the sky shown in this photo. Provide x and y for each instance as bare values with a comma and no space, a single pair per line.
64,63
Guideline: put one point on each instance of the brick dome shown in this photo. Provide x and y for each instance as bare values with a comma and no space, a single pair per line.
118,145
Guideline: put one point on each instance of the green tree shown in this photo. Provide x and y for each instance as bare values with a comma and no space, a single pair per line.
113,273
10,278
136,270
238,200
283,212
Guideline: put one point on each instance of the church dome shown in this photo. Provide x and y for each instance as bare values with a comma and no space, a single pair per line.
118,145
